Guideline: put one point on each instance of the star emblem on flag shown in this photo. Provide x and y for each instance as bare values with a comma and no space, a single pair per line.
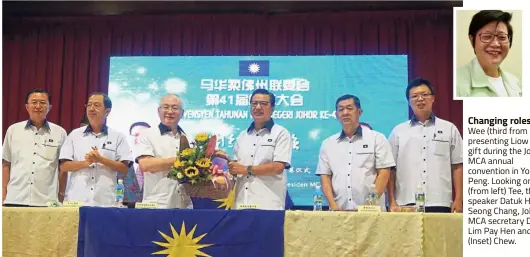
182,245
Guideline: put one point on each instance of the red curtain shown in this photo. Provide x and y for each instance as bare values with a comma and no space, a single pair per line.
69,56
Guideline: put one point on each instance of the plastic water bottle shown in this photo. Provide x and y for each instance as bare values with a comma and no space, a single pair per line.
420,199
119,193
317,199
373,196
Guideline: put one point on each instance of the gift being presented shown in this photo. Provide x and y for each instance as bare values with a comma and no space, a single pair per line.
202,174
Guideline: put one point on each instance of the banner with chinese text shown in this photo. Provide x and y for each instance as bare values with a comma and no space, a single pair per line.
216,92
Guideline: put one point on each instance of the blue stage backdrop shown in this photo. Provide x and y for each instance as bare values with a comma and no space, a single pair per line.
216,92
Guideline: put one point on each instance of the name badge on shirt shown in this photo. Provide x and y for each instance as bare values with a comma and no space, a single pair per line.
247,206
50,149
369,208
74,204
108,146
146,205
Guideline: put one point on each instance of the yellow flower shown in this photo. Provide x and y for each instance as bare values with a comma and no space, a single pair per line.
203,163
201,137
179,175
191,172
187,152
178,164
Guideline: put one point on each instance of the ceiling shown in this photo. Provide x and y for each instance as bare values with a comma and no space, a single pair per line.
90,8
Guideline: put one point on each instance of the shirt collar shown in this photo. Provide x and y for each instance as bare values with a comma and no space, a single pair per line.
479,77
358,131
414,120
165,129
268,125
104,129
45,126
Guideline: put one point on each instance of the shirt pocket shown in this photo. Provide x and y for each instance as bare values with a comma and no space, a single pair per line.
265,152
364,156
108,151
441,145
50,150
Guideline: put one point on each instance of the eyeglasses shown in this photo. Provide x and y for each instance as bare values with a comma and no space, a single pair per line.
96,106
262,103
488,38
423,95
174,108
35,103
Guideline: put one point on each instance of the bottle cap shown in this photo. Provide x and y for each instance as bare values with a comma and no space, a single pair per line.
317,190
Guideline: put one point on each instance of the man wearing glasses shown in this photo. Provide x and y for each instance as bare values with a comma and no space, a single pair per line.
156,151
30,155
353,160
490,34
261,154
428,154
93,154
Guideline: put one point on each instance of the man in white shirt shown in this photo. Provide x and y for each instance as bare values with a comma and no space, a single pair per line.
156,151
261,154
428,154
93,154
30,155
351,161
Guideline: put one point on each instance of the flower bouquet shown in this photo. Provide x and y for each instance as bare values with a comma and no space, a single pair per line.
202,174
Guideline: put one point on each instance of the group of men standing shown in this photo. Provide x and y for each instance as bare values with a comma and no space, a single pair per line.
424,151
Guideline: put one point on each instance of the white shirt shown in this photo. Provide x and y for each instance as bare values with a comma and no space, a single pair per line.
498,85
424,154
159,142
270,144
95,185
33,177
353,164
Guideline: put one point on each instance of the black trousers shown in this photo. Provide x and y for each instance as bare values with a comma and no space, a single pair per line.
19,205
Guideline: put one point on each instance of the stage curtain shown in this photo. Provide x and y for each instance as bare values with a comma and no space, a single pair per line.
69,56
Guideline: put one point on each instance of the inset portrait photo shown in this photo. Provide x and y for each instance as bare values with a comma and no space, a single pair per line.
488,53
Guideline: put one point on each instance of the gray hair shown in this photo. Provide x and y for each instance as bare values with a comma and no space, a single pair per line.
172,95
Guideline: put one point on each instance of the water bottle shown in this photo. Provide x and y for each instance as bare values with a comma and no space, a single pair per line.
317,199
420,199
119,193
373,196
